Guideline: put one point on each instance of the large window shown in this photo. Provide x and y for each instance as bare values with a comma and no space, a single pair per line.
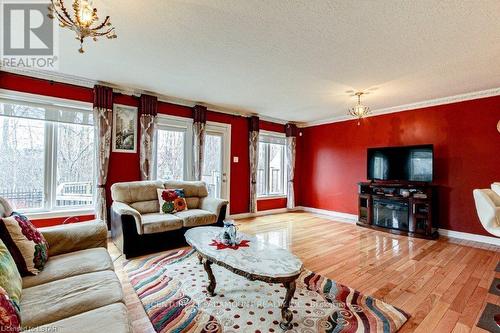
271,172
47,156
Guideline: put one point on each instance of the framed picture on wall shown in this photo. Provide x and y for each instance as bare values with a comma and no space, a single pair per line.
124,129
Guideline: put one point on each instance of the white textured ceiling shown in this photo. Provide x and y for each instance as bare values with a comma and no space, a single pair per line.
292,59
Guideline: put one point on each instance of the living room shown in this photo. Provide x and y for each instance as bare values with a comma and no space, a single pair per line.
210,166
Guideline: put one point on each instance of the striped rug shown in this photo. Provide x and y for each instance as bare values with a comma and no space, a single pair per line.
171,287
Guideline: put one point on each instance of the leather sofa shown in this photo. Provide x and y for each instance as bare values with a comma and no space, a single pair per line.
138,227
78,290
488,208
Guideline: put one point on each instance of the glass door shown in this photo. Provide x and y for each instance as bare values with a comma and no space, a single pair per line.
216,160
390,214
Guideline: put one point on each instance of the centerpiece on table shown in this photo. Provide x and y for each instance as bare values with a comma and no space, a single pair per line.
229,237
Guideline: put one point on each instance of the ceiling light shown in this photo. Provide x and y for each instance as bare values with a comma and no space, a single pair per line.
359,110
84,21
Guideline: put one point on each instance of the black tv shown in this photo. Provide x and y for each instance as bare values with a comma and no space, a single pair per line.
407,163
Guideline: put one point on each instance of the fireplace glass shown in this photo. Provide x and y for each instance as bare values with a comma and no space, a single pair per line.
390,214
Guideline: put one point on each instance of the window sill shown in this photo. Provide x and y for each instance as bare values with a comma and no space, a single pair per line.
59,213
270,197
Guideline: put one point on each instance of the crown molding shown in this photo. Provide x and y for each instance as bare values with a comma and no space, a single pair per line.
84,82
51,76
125,90
409,107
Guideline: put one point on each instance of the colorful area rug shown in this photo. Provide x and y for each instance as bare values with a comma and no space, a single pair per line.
171,287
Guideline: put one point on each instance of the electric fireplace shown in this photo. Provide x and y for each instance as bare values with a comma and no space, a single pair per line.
390,214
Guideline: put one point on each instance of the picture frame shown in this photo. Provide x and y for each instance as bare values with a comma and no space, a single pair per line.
124,129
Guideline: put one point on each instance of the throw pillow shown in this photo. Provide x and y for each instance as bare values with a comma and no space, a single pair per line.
171,200
10,282
26,244
9,315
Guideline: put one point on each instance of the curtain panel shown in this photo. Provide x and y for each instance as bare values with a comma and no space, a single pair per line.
199,125
254,160
148,109
291,145
103,118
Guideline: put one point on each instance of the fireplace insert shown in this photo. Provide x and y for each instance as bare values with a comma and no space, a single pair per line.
390,214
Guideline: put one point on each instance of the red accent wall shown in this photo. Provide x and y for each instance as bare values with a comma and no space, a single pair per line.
273,127
332,157
125,167
44,87
269,204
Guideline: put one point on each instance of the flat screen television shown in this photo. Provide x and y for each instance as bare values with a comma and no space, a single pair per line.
407,163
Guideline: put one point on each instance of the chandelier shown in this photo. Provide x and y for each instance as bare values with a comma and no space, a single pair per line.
84,21
359,110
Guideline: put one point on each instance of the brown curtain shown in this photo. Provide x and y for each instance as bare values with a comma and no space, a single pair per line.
148,109
291,144
103,118
199,124
254,160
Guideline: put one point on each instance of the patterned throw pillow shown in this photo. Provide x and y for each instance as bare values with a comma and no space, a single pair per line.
9,314
26,244
171,200
10,291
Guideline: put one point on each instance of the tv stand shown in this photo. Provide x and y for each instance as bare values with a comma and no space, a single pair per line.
400,208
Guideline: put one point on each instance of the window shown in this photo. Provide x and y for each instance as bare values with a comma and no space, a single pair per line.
271,170
212,164
47,154
170,154
172,159
75,165
22,163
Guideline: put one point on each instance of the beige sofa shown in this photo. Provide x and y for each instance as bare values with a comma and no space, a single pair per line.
138,227
78,290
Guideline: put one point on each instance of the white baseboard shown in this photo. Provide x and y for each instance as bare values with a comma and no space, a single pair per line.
337,216
261,213
470,237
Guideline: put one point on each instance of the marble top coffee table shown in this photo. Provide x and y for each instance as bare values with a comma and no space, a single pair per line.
259,261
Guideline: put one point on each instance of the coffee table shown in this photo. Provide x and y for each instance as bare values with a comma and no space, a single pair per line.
261,261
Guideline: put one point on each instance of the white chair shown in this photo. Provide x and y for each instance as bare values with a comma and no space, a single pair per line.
488,208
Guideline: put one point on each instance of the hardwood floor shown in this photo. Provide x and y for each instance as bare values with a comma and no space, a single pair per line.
443,284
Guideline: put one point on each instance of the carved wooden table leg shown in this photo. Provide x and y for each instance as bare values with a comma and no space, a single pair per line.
211,277
286,314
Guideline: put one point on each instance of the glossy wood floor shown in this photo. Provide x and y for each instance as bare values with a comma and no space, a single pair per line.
443,284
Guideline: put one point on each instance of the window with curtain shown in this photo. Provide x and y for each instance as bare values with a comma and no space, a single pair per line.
47,155
271,172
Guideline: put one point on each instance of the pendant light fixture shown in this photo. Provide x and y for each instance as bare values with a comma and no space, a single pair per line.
359,110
